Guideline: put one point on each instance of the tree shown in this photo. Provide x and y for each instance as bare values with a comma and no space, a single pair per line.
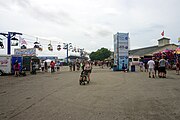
100,54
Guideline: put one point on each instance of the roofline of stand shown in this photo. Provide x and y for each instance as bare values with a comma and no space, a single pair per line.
154,46
163,38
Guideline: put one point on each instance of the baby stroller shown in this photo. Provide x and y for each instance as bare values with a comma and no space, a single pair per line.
22,72
83,78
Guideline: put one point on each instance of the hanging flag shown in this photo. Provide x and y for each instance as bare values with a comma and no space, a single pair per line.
22,41
162,33
179,39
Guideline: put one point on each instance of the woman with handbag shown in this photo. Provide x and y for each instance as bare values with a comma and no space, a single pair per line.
88,69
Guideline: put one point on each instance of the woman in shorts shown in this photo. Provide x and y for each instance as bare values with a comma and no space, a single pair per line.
88,69
16,69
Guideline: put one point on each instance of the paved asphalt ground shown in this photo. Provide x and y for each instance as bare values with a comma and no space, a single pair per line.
109,96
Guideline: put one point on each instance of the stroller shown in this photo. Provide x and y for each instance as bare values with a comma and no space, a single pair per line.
83,78
22,72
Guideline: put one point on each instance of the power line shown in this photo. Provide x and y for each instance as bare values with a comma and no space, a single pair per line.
40,38
47,40
29,39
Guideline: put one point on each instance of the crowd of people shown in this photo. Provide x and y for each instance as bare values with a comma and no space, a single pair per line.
157,67
45,67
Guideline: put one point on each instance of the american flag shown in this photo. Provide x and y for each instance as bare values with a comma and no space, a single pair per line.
162,33
22,41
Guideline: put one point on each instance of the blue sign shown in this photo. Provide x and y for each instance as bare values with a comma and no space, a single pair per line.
121,51
25,52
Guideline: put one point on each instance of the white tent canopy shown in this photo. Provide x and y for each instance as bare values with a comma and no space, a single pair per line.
48,60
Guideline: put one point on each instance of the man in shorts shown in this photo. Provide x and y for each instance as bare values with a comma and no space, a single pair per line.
162,67
151,65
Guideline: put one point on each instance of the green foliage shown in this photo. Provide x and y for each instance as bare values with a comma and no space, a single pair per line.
100,54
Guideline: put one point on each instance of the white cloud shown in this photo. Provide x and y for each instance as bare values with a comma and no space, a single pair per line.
90,24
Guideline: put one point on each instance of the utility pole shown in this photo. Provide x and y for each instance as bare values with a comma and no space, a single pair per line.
81,53
67,46
9,36
67,52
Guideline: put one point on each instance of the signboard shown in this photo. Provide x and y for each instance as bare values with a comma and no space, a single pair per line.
121,51
5,64
25,52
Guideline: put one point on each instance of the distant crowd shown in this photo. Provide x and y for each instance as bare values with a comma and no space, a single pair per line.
157,67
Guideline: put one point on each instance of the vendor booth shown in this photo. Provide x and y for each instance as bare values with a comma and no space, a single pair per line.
28,56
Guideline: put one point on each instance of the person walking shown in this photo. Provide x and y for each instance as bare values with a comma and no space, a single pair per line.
74,66
162,68
88,69
16,69
151,65
145,67
78,65
141,65
82,65
70,66
58,64
42,66
45,66
156,67
177,66
52,65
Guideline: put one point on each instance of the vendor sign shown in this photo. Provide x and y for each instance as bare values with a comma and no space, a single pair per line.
25,52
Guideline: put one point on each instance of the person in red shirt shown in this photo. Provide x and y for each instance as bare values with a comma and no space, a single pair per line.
16,69
52,64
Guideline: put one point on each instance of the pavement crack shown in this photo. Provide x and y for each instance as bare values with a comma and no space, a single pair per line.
30,106
2,92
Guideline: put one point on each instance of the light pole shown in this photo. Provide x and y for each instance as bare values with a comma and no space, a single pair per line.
81,53
67,46
9,36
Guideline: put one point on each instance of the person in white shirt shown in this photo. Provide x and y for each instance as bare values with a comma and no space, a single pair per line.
151,65
42,65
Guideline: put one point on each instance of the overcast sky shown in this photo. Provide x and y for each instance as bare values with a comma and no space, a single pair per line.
90,24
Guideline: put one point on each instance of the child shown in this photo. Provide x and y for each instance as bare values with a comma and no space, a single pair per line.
83,77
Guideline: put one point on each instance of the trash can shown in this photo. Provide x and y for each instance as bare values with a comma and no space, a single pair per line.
115,68
132,68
